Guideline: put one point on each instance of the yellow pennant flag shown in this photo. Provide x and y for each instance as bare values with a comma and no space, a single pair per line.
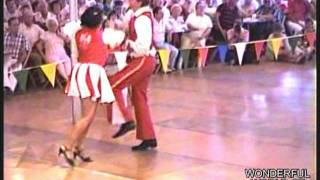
276,44
164,57
50,71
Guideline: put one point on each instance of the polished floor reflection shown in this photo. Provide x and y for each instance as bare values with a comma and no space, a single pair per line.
210,123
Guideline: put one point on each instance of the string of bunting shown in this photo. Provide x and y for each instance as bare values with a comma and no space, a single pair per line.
50,69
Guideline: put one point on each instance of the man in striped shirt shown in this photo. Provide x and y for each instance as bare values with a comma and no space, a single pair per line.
16,48
226,15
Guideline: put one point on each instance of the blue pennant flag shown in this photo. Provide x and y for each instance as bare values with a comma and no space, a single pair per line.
223,48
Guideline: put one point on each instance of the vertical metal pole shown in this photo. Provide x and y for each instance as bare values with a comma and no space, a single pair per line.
76,104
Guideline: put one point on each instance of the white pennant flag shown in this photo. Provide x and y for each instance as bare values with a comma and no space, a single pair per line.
117,118
240,47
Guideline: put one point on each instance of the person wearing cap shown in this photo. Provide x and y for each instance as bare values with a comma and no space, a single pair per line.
137,74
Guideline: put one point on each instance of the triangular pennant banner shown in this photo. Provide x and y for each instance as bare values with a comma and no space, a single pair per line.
258,48
185,53
121,58
311,37
223,48
203,53
164,57
240,47
276,43
293,42
50,71
22,77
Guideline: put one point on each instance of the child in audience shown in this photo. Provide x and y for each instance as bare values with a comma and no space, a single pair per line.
285,52
303,45
54,42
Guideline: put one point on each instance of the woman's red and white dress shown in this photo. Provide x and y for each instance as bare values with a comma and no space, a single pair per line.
88,77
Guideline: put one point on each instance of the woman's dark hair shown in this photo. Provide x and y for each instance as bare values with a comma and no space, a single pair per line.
156,10
92,17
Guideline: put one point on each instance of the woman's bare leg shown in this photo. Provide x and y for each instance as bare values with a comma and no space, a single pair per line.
82,126
86,110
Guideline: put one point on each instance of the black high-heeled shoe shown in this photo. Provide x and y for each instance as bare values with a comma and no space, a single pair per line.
63,150
79,153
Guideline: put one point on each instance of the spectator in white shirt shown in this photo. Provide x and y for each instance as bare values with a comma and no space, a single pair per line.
160,27
199,25
176,21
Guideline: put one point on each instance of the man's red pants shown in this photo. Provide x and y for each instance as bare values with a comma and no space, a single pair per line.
136,74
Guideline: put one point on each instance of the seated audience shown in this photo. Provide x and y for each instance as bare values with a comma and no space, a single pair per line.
235,35
161,27
212,6
176,20
266,11
226,15
199,26
42,14
248,7
56,8
285,53
165,10
33,33
54,42
16,48
298,10
303,45
10,10
187,8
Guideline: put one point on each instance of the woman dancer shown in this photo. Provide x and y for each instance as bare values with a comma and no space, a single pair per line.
88,80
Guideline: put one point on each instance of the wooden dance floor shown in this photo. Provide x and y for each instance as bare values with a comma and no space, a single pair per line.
210,124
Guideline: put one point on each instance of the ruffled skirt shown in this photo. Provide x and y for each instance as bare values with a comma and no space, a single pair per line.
89,80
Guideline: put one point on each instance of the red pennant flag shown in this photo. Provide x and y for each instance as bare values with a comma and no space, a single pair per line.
311,37
258,47
203,53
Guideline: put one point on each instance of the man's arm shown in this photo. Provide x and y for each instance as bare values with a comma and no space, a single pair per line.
223,32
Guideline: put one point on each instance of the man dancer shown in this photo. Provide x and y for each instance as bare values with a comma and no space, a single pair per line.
137,73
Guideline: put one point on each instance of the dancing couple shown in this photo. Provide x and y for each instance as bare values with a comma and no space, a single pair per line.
89,81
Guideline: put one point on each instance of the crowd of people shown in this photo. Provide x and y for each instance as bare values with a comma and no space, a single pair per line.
34,36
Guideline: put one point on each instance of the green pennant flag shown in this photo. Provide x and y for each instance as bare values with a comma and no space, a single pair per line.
185,53
22,77
293,42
